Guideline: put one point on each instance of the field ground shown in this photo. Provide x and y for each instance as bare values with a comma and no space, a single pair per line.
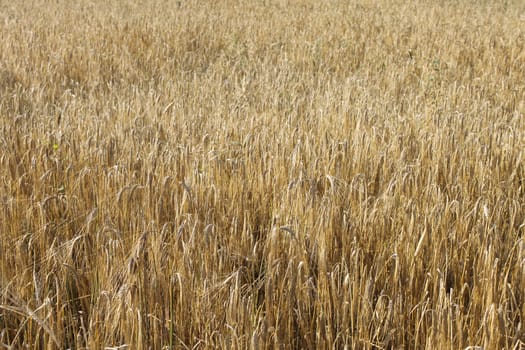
262,174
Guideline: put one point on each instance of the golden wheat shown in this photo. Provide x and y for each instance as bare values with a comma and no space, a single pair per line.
262,174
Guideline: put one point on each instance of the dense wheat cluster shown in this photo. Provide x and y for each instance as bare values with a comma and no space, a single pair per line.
291,174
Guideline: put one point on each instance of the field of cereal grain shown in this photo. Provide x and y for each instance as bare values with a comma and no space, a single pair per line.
273,174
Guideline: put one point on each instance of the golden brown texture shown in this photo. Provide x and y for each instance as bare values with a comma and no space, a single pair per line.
262,174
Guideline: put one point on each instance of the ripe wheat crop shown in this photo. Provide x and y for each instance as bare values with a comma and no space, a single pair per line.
290,174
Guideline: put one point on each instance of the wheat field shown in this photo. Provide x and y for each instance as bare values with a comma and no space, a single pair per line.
272,174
